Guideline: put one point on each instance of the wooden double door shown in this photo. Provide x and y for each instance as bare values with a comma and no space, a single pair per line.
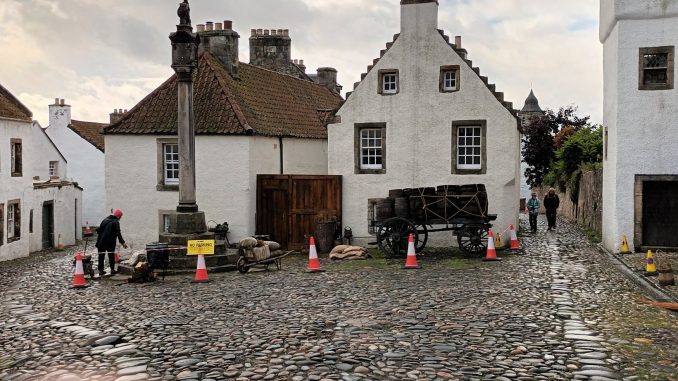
660,214
290,206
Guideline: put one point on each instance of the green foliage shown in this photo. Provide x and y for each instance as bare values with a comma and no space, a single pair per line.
539,148
583,150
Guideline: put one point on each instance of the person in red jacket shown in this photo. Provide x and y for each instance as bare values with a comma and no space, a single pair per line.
551,204
107,234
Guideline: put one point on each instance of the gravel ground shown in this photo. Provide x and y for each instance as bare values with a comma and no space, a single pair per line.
557,312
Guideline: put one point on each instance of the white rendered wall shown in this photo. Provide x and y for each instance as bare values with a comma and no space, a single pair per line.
641,124
65,218
222,180
48,152
419,127
85,164
305,156
12,188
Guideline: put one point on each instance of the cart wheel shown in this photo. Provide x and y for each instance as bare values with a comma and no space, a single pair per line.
393,235
242,265
421,237
472,239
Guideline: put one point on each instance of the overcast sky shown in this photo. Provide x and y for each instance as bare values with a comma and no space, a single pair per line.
105,54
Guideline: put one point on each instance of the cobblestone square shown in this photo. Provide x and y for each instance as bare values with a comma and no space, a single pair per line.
558,312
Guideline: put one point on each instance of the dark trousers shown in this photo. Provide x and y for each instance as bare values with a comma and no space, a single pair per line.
111,260
551,217
533,222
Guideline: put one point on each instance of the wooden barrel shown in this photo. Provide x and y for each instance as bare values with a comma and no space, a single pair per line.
402,207
384,209
325,236
395,193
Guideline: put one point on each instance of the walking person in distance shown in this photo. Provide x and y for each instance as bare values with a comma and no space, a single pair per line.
533,206
551,203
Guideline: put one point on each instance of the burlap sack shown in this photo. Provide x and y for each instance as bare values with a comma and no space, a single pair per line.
261,253
273,246
352,248
339,249
248,243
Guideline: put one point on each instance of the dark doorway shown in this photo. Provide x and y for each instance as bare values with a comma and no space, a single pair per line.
48,225
660,213
289,206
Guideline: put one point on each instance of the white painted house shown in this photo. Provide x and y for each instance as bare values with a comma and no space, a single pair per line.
640,177
248,121
400,127
39,208
82,143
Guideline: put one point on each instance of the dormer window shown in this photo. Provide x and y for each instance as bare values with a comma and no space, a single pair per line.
449,78
388,82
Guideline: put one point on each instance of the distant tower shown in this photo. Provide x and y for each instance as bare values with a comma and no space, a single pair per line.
530,110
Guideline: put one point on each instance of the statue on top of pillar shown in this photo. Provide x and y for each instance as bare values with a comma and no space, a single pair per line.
184,13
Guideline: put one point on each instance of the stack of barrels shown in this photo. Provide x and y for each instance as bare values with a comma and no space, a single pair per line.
441,202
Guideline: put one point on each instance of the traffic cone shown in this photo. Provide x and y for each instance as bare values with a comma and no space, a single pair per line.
313,262
625,246
79,276
88,232
515,245
201,271
491,251
411,262
650,267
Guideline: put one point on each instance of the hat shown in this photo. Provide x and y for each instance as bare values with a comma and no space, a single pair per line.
117,213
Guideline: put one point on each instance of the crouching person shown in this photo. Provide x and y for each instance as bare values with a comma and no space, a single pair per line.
107,234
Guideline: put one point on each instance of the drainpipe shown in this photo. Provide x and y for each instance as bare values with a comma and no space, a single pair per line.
280,142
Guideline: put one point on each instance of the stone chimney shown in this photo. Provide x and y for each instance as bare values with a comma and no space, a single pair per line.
418,17
222,41
59,114
327,76
271,49
117,115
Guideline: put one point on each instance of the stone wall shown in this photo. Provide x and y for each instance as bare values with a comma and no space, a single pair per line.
588,211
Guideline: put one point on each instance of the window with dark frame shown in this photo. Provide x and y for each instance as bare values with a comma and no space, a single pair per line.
2,224
171,163
30,221
449,78
389,82
655,68
16,162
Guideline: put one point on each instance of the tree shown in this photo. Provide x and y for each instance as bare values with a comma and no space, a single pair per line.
539,141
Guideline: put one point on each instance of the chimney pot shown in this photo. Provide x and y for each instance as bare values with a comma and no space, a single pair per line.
228,24
125,111
260,32
210,25
457,41
218,26
280,32
301,62
286,32
295,62
62,102
56,101
273,32
201,27
254,32
266,32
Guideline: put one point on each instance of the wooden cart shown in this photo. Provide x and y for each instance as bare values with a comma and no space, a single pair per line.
460,209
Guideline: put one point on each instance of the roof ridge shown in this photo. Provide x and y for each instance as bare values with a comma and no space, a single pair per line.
227,92
287,75
141,103
84,121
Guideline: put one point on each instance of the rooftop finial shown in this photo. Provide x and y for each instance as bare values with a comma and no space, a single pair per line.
184,13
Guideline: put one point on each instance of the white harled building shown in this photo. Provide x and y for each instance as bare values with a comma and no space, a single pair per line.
399,128
640,176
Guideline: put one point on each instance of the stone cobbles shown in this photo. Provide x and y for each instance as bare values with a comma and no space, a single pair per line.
557,312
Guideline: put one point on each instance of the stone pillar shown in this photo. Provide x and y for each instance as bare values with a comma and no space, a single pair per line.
187,203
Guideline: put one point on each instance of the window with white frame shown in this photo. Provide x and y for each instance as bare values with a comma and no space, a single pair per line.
371,148
54,168
449,80
469,148
13,220
388,82
171,163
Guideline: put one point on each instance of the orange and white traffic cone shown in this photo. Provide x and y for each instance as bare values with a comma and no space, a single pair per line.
515,245
201,271
491,251
313,261
79,276
411,262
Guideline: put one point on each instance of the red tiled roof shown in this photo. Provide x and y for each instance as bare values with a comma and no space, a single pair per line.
260,101
90,131
11,107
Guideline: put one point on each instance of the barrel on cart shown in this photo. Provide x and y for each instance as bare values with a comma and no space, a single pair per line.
461,209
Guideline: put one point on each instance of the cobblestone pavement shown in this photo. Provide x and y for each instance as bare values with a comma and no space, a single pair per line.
558,312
